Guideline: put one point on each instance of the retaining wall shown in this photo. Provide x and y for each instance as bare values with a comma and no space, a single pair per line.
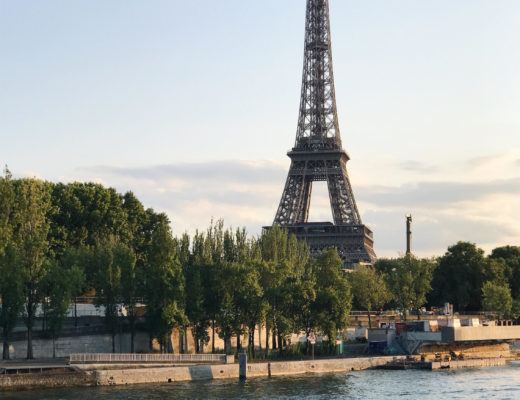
46,380
254,370
42,348
487,362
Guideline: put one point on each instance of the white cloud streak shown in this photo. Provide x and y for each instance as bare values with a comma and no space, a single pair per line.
470,205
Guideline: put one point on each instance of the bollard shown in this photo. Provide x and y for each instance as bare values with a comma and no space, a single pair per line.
243,366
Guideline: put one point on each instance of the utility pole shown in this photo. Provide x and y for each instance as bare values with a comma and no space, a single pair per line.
408,234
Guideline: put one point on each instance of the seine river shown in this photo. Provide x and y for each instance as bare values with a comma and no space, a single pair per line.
485,383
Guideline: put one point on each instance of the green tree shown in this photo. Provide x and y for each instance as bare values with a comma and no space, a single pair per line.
76,258
497,297
459,277
333,297
515,309
58,285
108,256
195,304
251,301
7,205
511,256
302,294
30,230
164,286
283,260
88,214
410,282
385,266
130,286
11,283
369,289
12,294
229,319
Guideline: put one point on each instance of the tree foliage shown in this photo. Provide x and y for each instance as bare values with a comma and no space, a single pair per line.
461,273
497,297
30,229
410,281
369,289
58,287
510,255
58,241
12,294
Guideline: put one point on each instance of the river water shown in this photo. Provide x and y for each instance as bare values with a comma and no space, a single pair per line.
482,383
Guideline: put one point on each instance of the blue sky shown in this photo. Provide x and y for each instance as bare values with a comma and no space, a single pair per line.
193,104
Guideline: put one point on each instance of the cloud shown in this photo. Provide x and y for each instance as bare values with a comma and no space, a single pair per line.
500,164
434,230
417,166
246,193
437,193
224,172
243,193
478,162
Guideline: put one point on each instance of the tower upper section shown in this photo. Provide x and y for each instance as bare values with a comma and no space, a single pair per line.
318,127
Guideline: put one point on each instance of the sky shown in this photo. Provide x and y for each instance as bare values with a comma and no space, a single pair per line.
192,105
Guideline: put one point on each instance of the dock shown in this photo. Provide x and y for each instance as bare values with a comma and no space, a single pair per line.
447,364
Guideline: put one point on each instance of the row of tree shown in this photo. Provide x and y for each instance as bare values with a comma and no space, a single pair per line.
463,276
59,241
235,284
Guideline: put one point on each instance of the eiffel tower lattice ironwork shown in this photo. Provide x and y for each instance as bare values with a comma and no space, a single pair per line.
318,155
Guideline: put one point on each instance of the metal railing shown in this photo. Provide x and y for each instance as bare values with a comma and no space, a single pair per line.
146,358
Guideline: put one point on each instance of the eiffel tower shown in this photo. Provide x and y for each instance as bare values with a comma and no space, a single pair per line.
319,156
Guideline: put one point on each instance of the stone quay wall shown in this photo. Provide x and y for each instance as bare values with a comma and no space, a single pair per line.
46,380
231,371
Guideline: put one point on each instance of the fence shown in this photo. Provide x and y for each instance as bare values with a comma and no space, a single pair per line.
146,358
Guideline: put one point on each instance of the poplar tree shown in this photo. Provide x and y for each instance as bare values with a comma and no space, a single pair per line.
333,297
12,294
58,286
164,288
31,226
11,283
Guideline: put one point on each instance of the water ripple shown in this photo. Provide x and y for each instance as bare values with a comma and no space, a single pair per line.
486,383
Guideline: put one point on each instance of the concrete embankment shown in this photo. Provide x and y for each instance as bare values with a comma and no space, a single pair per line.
231,371
47,380
92,375
454,364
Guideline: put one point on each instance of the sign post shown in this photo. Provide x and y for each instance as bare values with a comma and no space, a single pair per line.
339,345
312,340
242,366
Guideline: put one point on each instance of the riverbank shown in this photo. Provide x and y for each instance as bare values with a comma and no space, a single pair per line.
47,380
104,375
462,384
231,371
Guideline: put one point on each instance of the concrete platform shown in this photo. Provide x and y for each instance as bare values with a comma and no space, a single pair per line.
481,333
486,362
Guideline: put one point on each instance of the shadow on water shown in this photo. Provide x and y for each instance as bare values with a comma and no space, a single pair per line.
310,387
